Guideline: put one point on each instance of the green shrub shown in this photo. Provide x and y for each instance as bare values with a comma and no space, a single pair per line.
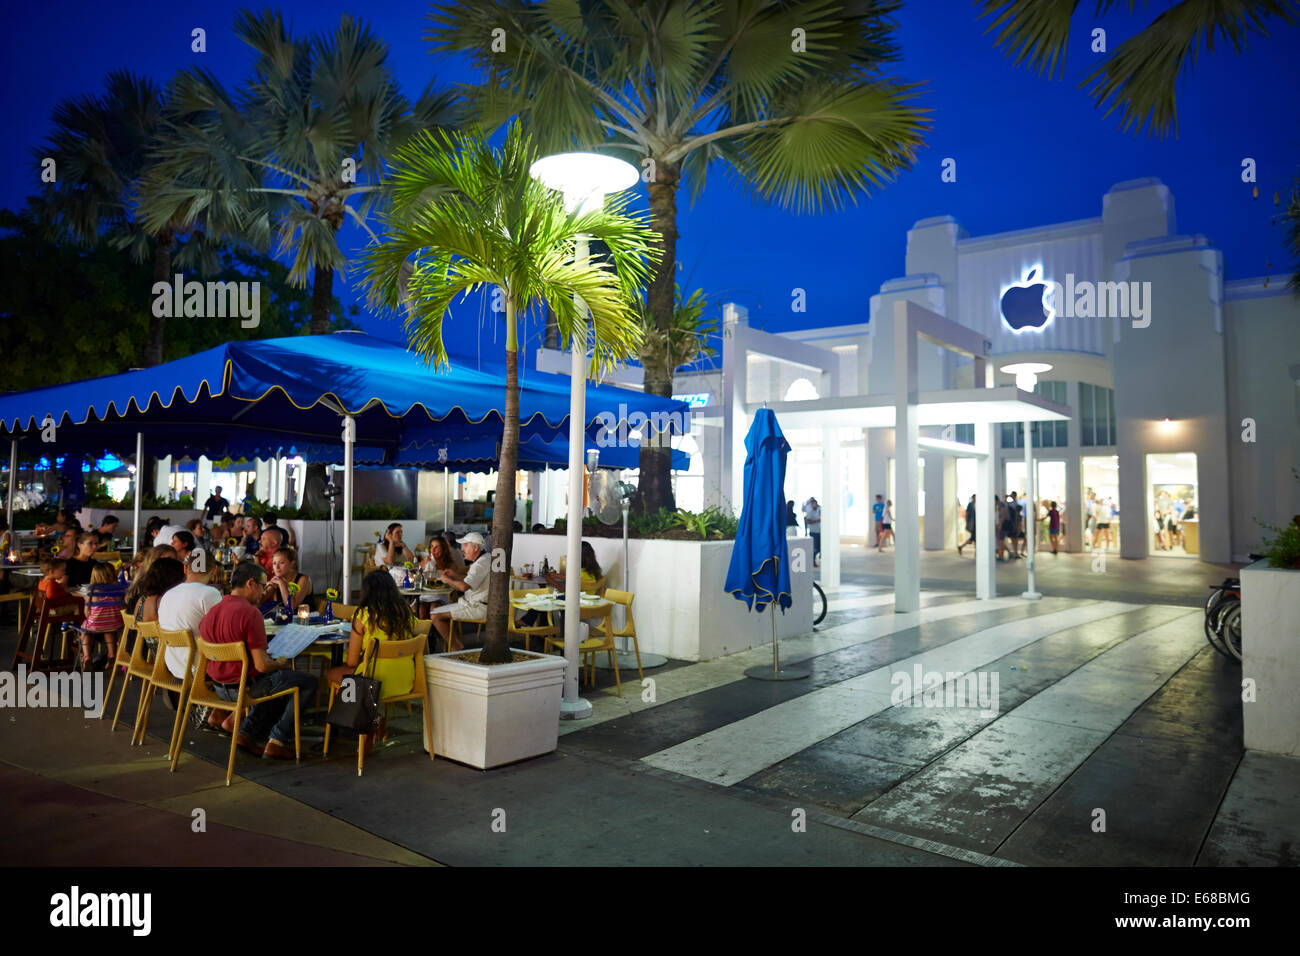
1283,551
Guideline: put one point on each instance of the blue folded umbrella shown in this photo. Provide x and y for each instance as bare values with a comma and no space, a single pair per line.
760,568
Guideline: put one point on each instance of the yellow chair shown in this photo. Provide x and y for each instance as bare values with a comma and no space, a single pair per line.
123,657
24,599
109,556
390,650
203,695
163,677
139,664
589,648
344,612
532,630
624,598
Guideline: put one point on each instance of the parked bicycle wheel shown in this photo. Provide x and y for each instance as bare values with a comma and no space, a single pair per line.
1213,607
1230,629
819,604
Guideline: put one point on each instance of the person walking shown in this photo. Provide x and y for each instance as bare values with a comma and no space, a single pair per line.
812,522
887,522
970,525
1053,525
878,515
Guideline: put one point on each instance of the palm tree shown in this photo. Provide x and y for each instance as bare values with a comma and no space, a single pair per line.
103,148
1139,76
790,96
463,216
299,149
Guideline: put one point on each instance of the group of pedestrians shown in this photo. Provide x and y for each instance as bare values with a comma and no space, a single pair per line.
1009,524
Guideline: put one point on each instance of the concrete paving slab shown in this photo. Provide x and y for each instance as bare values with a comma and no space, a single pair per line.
1258,823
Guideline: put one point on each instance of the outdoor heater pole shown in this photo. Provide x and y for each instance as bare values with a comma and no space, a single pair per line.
1031,515
349,440
139,474
446,499
573,707
13,482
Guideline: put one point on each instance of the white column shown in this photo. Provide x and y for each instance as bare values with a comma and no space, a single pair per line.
446,499
281,480
163,479
135,489
937,504
831,507
13,483
262,481
202,480
986,437
907,530
349,440
573,707
1031,515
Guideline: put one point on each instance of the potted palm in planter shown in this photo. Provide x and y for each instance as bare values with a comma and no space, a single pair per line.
461,216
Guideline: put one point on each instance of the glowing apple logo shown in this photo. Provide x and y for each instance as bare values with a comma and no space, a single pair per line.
1022,305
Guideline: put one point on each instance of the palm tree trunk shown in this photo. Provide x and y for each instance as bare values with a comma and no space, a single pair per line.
496,640
655,489
322,297
162,267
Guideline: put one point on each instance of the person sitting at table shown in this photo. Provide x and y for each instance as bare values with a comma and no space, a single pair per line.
284,570
272,520
167,532
107,530
237,527
391,551
163,574
183,542
472,605
151,529
381,615
66,520
538,527
54,579
182,608
223,529
82,559
66,545
202,537
104,605
271,541
441,558
591,572
252,534
235,619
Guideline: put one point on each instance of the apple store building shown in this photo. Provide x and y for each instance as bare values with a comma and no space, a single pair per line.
1183,387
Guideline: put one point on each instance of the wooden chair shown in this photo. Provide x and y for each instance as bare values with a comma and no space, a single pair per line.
528,632
624,598
45,618
24,599
344,612
203,695
163,677
139,664
589,648
109,556
391,650
125,646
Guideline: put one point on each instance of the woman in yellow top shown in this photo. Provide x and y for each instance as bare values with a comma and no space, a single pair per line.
382,615
591,572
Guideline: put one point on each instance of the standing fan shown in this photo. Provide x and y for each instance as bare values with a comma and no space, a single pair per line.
611,498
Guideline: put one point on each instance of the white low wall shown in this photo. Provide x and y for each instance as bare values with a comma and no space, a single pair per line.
1270,648
681,610
90,518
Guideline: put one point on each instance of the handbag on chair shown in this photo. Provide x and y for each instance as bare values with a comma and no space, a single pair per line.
356,707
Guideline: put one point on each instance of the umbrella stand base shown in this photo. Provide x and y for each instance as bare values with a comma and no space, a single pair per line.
627,661
765,672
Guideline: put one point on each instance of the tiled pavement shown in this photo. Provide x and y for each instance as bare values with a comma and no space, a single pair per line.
1115,740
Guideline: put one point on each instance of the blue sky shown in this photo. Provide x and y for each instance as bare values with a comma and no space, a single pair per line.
1029,150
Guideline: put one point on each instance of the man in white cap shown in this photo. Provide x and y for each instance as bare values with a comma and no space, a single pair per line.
472,605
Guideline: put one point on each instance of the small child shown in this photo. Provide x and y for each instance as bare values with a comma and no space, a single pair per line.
104,607
53,585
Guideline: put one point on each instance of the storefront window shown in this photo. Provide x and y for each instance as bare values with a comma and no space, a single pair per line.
1101,527
1096,415
1173,509
1045,434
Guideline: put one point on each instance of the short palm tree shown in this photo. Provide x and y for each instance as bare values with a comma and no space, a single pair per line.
462,216
1139,77
299,149
790,96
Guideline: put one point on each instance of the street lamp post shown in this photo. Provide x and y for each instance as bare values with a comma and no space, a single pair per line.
584,179
1026,374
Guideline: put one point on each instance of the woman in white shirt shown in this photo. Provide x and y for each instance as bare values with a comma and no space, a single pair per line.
391,551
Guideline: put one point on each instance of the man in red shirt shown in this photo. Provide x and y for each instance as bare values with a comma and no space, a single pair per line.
236,619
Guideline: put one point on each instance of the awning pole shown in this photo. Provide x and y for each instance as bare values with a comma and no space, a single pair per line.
446,500
572,706
139,474
349,440
13,482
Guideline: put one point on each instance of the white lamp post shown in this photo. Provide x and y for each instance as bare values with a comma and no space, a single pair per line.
584,179
1026,374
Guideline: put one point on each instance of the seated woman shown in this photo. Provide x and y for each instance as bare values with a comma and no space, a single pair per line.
142,596
381,615
591,572
473,588
442,558
81,561
284,570
391,551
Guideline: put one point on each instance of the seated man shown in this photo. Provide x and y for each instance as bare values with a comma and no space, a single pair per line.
252,534
236,618
107,530
472,605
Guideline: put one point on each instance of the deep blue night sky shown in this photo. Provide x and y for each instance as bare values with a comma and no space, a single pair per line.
1029,150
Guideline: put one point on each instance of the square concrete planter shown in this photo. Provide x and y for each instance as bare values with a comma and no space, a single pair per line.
1270,650
489,716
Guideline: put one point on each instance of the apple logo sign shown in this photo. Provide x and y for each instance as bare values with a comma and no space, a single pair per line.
1022,305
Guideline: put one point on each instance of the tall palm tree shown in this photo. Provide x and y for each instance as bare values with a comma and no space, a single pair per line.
790,96
687,338
299,149
1139,77
104,149
463,216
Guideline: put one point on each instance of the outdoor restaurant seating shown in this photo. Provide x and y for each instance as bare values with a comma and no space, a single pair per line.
23,598
624,598
163,678
125,647
202,695
603,619
413,648
44,625
529,631
139,664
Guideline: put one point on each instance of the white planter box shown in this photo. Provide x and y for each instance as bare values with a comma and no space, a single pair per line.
681,610
489,716
1270,647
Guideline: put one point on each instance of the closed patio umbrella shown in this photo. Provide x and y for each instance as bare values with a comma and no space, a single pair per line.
759,573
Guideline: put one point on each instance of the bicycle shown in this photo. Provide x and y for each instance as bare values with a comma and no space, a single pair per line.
819,601
1223,618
